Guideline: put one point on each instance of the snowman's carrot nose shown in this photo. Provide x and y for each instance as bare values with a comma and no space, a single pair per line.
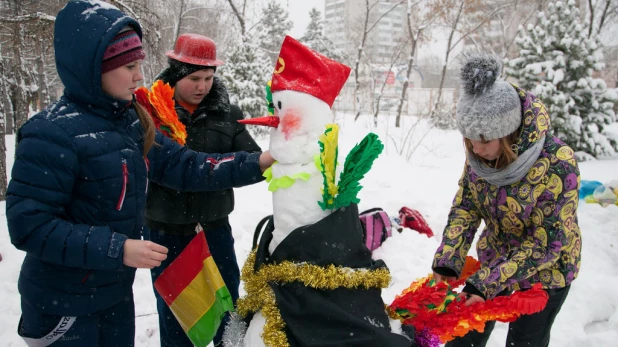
269,121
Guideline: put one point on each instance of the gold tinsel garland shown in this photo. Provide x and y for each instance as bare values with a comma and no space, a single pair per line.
261,297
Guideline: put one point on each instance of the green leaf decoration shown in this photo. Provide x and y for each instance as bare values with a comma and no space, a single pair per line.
284,182
357,164
269,99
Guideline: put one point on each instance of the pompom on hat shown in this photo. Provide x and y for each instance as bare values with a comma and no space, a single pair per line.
488,108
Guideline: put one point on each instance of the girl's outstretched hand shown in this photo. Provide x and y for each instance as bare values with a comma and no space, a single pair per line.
266,160
471,299
143,254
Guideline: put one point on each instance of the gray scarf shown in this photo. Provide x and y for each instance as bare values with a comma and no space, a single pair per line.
512,173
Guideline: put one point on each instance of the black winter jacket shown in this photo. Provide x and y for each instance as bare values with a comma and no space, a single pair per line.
213,128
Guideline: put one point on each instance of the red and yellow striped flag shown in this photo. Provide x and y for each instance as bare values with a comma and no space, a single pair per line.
193,289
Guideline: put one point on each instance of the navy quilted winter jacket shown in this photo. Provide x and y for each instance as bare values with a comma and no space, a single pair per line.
79,181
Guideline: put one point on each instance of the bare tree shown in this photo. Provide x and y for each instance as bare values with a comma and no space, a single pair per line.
27,18
179,18
25,29
164,20
393,61
19,75
369,5
454,22
498,34
239,13
601,12
5,112
191,15
453,12
416,30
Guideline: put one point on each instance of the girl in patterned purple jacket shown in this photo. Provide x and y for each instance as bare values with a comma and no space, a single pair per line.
523,183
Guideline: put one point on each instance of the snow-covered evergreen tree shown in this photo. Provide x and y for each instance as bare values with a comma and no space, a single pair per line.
245,74
557,62
314,38
272,28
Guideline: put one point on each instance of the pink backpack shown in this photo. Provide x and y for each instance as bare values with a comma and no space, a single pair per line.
377,227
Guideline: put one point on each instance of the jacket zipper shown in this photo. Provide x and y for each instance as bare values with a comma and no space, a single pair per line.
125,181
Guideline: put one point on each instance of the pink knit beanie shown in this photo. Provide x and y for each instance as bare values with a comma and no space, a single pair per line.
124,48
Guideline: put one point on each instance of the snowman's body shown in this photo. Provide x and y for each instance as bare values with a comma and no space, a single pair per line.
294,144
304,87
298,205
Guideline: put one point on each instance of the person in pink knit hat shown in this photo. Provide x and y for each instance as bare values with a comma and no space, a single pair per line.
76,200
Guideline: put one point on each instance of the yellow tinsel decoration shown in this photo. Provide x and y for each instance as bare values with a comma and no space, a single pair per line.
261,297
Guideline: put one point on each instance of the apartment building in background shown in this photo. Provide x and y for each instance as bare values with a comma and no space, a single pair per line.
344,20
344,24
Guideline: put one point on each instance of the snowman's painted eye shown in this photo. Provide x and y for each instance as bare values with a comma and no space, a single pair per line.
279,104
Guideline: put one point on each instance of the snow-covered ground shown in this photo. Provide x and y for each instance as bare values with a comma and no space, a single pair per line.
427,181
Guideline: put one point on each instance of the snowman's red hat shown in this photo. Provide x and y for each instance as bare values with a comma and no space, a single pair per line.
300,69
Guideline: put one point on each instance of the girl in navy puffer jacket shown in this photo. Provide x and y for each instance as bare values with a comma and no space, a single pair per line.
76,200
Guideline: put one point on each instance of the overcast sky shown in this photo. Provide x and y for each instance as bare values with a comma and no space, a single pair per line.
299,14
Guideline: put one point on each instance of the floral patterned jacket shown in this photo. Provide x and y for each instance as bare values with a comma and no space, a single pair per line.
531,233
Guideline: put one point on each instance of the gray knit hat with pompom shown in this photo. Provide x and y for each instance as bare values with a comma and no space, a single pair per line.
488,108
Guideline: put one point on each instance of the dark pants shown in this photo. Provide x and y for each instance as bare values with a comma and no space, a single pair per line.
529,330
221,244
113,327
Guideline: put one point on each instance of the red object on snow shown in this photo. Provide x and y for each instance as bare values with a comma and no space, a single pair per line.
300,69
414,220
0,257
195,49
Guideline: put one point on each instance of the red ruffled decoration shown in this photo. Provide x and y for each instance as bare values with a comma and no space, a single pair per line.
437,309
159,102
141,95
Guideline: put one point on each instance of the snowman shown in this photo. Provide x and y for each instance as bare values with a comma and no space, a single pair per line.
311,281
